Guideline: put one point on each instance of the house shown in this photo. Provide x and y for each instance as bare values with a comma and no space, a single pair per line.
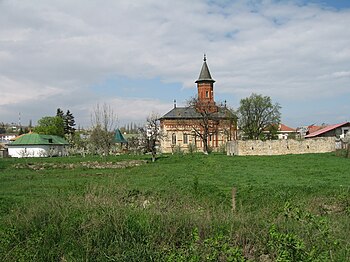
6,138
280,132
285,132
191,126
337,130
37,145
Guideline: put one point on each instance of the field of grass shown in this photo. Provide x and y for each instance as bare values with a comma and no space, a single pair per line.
288,208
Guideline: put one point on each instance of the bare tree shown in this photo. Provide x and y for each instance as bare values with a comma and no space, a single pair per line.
208,120
151,135
103,120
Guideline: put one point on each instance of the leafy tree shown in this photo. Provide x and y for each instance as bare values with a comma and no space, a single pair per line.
2,128
60,113
50,125
21,131
256,113
69,123
271,133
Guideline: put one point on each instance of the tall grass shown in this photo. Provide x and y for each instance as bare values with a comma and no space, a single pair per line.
289,208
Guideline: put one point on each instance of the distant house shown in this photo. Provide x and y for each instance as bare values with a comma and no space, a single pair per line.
284,132
338,131
313,128
37,145
5,138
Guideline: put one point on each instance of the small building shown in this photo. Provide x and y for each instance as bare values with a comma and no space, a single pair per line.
337,130
37,145
285,132
280,131
6,138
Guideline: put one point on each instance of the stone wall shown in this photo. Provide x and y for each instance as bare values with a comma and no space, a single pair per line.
280,147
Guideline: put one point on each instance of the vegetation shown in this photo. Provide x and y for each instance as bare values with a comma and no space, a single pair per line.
209,121
103,122
256,113
151,136
50,125
288,208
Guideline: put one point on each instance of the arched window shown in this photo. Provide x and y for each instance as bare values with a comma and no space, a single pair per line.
173,139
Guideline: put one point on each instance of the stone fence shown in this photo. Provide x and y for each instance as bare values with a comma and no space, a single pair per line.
280,147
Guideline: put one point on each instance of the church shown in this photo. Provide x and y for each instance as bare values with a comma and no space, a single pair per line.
202,125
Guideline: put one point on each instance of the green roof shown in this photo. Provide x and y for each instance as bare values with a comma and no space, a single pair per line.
38,139
118,137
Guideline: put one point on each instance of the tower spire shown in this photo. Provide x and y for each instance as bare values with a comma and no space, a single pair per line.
205,87
204,75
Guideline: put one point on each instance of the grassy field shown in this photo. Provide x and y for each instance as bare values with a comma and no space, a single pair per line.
288,208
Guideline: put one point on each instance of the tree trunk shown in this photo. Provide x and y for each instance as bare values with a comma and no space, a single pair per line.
205,146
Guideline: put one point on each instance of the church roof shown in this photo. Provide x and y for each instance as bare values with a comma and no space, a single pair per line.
192,113
204,75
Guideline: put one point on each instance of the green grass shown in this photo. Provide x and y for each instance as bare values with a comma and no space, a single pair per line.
288,208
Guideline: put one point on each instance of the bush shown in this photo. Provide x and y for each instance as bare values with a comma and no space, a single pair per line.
192,148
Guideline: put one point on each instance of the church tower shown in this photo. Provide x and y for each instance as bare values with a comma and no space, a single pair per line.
205,86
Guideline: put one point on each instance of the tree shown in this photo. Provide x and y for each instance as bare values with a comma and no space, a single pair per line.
60,113
257,113
103,121
50,125
209,121
151,135
2,128
69,124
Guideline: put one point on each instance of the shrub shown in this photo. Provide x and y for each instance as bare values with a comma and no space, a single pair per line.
192,148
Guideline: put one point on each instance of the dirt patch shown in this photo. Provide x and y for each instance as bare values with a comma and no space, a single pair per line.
89,165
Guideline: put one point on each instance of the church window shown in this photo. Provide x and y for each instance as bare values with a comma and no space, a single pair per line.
207,94
173,139
185,138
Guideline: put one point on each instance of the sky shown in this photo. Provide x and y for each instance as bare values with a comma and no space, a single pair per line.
138,56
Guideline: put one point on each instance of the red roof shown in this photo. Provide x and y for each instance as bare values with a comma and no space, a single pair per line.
285,128
325,130
313,128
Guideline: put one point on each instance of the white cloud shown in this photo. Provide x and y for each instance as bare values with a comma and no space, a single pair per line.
51,51
341,74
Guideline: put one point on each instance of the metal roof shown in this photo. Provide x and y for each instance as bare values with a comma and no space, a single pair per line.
38,139
119,138
326,129
204,75
192,113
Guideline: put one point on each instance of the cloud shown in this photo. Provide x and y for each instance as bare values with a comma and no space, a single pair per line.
53,53
341,74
